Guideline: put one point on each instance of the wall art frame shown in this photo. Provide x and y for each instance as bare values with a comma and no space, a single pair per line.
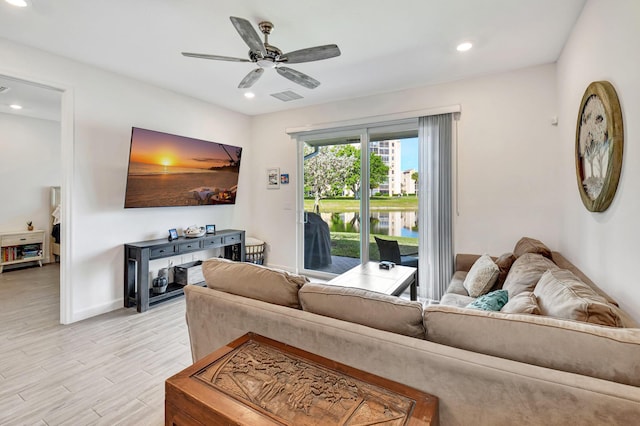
273,178
599,145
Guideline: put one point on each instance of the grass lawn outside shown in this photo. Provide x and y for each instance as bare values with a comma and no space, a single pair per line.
340,205
347,244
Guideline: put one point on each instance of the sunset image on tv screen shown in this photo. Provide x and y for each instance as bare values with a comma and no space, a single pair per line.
171,170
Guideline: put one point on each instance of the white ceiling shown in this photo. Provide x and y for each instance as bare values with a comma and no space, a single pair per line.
386,45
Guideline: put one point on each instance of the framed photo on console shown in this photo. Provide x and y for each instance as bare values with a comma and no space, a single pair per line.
211,229
173,234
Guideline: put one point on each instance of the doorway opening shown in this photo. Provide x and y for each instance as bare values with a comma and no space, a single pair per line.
52,102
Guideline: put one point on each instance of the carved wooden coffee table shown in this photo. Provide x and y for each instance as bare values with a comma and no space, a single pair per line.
258,381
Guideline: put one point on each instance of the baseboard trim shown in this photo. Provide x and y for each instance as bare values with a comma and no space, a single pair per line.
96,310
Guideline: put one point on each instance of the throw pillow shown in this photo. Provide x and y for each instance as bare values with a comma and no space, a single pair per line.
523,303
253,281
481,277
504,263
493,301
526,272
531,245
562,295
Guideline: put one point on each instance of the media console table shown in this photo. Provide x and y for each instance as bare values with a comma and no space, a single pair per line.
137,257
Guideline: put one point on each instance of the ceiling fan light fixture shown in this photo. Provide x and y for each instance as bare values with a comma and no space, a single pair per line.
266,63
463,47
17,3
15,106
249,95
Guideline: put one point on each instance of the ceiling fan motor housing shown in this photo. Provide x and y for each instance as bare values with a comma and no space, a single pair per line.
268,60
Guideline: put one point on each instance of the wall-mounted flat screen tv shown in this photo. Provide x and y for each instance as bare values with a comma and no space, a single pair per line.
169,170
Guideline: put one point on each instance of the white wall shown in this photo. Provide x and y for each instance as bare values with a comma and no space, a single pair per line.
507,164
604,245
106,107
29,166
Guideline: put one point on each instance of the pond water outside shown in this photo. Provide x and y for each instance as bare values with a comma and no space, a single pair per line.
392,223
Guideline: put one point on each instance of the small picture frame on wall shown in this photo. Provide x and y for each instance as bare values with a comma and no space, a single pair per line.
211,229
284,178
273,178
173,234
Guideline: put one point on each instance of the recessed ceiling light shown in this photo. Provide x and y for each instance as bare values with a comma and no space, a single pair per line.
18,3
249,95
15,106
463,47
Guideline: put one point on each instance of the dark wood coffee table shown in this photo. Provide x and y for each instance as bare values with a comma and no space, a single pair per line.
258,381
369,276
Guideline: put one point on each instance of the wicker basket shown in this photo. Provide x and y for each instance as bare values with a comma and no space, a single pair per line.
254,250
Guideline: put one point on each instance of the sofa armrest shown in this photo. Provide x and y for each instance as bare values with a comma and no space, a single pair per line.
465,261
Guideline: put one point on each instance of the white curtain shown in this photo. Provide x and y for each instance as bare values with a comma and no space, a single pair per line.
436,265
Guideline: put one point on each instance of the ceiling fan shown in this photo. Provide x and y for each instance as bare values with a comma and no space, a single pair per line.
269,56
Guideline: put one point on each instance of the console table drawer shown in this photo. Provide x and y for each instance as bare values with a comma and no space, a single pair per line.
21,239
162,252
213,242
232,239
193,245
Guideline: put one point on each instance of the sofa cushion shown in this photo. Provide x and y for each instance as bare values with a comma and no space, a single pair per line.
376,310
561,294
604,352
454,299
523,303
493,301
253,281
504,263
481,277
525,273
531,245
456,285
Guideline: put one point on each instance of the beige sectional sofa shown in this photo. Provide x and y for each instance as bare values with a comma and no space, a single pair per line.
487,368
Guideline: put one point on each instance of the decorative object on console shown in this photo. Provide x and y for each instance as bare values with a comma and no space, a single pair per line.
160,283
170,170
194,231
173,234
30,226
599,145
211,229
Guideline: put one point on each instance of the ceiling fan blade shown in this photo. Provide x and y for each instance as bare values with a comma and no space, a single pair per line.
311,54
298,77
250,78
216,57
248,34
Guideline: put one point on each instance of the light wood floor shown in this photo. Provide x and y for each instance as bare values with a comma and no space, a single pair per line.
107,370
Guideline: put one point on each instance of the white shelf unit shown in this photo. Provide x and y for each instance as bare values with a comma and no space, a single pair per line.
21,247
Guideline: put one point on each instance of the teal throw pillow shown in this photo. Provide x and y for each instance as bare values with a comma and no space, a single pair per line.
493,301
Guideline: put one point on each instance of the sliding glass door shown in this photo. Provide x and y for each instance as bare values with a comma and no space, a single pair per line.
357,184
331,231
393,199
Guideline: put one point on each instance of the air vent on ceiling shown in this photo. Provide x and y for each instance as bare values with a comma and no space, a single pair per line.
4,89
286,96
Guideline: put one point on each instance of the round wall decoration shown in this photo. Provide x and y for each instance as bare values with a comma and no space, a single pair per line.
599,144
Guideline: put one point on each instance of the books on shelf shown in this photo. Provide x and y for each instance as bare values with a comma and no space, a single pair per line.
12,253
